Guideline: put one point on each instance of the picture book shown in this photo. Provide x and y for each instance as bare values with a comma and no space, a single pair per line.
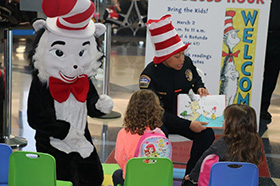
206,109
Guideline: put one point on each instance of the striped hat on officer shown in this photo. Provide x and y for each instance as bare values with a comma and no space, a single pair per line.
165,38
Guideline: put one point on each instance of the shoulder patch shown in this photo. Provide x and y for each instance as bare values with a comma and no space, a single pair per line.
144,81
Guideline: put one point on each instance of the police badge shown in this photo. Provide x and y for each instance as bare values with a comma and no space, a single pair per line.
189,75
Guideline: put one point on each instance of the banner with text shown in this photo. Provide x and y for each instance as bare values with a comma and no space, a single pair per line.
228,43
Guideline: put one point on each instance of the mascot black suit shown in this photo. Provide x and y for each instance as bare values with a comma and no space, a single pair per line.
65,57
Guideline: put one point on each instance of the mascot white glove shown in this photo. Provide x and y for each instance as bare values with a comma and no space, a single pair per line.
104,104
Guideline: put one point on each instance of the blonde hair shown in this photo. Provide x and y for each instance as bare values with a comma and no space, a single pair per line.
143,111
241,135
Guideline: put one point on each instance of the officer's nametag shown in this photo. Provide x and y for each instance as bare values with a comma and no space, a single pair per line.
144,81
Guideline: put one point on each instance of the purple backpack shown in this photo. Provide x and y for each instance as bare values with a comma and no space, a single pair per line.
154,144
205,168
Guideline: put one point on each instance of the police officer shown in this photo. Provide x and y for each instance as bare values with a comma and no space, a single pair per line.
170,74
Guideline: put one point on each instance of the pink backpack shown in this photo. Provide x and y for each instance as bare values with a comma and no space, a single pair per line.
154,144
205,168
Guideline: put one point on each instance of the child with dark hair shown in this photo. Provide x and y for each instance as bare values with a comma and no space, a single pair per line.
240,141
143,114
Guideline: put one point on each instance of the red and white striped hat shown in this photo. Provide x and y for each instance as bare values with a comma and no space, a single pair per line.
165,38
71,18
228,21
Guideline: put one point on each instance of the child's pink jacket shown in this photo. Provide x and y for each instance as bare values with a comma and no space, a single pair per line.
125,147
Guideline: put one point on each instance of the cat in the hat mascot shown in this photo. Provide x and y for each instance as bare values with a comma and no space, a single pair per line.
65,57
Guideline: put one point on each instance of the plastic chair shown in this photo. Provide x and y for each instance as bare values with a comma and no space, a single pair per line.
5,152
33,169
108,169
126,22
179,173
234,173
159,172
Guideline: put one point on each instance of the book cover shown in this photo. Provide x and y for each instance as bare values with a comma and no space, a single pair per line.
206,109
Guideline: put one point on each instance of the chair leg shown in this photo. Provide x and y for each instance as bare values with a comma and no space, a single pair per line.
140,18
127,22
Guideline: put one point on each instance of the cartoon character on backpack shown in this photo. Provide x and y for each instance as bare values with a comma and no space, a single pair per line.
154,144
162,148
150,150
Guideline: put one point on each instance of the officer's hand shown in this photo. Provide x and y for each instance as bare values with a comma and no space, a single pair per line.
197,126
202,92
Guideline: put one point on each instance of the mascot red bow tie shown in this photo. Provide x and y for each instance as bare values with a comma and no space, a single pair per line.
60,90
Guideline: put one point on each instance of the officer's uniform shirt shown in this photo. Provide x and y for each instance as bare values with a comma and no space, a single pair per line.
167,82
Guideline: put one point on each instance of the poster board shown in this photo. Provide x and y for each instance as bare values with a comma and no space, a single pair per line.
202,23
208,109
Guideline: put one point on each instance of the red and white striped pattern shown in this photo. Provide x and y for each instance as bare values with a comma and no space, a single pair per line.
228,21
165,38
72,14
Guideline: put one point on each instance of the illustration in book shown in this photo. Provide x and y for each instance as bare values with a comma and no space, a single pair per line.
207,109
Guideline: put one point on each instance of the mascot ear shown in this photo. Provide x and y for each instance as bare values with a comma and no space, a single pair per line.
39,24
99,29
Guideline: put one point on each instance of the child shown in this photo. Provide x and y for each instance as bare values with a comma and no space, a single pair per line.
143,114
240,141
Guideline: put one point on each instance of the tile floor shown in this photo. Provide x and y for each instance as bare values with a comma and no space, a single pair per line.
127,61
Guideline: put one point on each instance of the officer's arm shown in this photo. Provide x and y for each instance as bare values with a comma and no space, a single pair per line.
197,81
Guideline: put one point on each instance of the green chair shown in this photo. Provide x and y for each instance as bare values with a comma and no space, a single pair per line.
157,172
108,169
33,169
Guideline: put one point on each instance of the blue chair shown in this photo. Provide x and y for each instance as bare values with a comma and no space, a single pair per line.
5,152
234,173
179,173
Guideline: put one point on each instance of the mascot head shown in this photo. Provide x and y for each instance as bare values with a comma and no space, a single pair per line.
66,46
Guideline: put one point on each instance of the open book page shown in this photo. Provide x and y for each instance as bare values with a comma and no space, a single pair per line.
207,109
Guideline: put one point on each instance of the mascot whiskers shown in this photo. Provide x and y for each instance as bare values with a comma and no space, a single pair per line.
65,57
